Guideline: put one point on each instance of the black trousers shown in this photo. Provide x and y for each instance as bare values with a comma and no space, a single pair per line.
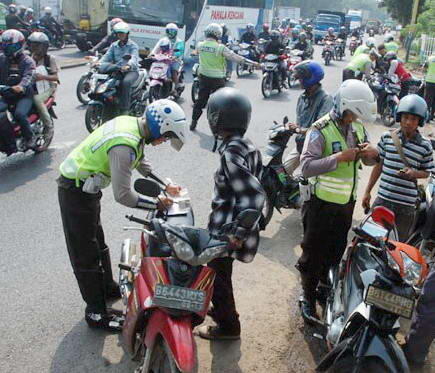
326,226
88,252
22,110
224,306
126,89
348,74
429,95
207,86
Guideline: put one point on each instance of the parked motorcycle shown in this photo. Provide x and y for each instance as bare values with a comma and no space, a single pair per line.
390,102
166,286
12,130
248,51
161,84
104,95
272,76
370,289
292,61
339,48
84,84
328,52
282,190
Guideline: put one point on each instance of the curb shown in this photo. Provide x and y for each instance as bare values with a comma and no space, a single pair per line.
70,66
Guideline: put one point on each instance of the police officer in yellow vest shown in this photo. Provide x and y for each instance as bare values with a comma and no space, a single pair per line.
108,155
430,87
390,44
361,65
333,150
212,68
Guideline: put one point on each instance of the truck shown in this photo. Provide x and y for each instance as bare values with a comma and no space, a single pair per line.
374,24
289,12
355,18
327,19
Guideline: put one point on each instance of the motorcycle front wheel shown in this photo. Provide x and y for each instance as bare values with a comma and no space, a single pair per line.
94,117
349,364
239,70
195,90
388,118
83,88
292,81
266,86
162,360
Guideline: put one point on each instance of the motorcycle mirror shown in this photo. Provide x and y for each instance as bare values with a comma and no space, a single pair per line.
285,120
247,219
385,217
147,187
126,57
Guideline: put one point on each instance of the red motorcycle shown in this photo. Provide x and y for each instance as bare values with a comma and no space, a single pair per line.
295,56
165,286
10,129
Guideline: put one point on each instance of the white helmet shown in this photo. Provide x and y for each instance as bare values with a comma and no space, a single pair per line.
357,97
165,118
388,38
29,11
38,37
171,30
122,28
47,10
213,30
371,42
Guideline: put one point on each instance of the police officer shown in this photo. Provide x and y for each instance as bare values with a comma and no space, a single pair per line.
107,156
390,44
212,68
331,158
360,66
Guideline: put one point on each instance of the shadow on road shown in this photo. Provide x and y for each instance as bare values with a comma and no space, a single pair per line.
20,168
86,350
225,356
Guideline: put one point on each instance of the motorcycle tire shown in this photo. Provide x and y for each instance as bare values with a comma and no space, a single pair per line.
327,59
267,212
162,360
387,117
348,364
239,70
43,142
94,117
292,81
195,91
82,90
266,86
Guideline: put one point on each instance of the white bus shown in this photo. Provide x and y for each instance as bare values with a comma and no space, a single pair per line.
147,18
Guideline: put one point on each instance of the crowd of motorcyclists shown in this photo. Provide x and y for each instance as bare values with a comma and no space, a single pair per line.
331,145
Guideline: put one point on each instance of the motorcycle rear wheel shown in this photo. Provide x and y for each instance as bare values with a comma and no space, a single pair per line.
195,90
292,81
82,90
43,141
94,117
162,360
266,86
349,364
387,117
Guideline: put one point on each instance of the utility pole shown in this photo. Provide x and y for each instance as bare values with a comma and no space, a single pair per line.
414,12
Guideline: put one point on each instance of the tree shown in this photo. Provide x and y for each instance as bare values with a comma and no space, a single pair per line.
401,10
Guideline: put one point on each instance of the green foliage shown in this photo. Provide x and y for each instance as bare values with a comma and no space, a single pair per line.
401,10
426,20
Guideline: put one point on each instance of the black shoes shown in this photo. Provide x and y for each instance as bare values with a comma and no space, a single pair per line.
111,321
193,125
113,292
308,311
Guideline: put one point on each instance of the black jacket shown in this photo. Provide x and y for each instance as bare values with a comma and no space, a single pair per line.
264,35
274,47
14,22
248,37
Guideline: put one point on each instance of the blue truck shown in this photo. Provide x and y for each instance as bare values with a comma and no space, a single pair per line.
326,19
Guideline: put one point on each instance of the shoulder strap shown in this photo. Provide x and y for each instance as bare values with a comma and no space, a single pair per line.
399,148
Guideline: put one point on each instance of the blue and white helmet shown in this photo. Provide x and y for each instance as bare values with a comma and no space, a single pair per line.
165,118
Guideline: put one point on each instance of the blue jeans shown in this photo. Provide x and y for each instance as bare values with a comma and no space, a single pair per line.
22,109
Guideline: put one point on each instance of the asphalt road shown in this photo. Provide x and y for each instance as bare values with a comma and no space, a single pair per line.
41,323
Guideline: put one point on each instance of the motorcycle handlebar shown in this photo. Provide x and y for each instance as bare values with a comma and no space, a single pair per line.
137,220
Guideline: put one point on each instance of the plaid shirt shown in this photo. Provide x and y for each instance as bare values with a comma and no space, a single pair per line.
237,188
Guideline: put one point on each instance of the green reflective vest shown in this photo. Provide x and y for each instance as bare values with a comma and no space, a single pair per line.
361,49
338,186
430,75
91,156
212,63
358,63
391,46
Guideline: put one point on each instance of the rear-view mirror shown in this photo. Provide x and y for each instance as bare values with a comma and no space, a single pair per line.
147,188
285,120
383,216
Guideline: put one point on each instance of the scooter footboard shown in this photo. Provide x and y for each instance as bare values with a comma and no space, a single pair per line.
178,335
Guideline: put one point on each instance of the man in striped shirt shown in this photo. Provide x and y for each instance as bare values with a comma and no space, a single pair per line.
398,186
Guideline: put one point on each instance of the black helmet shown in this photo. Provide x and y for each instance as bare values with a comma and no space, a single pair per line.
228,110
412,104
275,35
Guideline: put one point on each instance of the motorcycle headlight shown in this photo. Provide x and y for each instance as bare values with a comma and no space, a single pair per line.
393,264
412,270
182,249
102,88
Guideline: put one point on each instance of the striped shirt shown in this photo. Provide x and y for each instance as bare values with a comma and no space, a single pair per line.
418,152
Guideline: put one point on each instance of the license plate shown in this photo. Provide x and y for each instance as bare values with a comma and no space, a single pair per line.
100,76
390,302
176,297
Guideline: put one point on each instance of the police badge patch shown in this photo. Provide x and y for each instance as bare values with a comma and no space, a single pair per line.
336,147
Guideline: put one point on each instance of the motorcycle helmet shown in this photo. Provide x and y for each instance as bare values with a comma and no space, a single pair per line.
224,28
22,8
47,10
413,104
302,36
371,42
171,31
298,27
295,33
114,21
12,8
250,27
330,30
213,30
228,110
39,43
357,97
275,35
29,11
165,45
266,27
309,73
121,28
388,38
309,28
12,42
390,56
342,28
165,118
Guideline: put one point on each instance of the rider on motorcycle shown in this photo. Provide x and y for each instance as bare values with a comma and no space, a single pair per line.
276,47
396,69
390,44
176,49
29,16
50,23
108,39
309,32
108,155
330,35
294,37
14,62
249,36
265,34
365,48
46,71
22,11
115,55
342,34
304,45
355,33
312,104
226,39
13,20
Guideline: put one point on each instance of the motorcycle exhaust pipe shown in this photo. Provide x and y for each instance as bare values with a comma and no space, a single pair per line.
124,282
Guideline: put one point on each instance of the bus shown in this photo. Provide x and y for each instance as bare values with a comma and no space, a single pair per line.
147,18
